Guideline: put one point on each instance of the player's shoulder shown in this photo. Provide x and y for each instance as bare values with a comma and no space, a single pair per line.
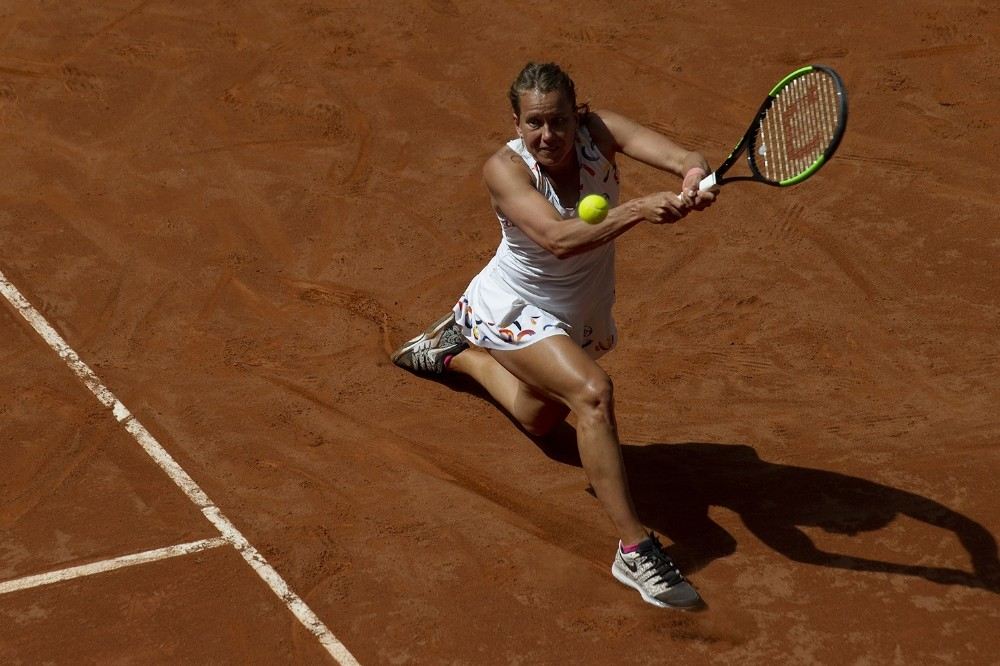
505,163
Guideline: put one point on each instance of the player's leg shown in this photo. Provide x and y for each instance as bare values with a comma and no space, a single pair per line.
538,384
536,412
559,369
441,348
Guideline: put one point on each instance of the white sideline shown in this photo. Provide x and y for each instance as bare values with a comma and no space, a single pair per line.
109,565
229,532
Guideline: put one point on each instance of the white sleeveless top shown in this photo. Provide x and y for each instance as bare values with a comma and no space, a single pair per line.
525,293
560,286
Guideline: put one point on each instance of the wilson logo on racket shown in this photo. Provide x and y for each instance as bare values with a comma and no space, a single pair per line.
804,136
795,131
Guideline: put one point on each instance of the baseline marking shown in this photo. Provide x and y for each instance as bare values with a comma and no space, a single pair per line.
226,528
110,565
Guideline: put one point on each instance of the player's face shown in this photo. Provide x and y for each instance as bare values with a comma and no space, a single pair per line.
547,125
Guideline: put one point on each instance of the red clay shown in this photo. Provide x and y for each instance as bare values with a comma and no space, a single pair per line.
233,211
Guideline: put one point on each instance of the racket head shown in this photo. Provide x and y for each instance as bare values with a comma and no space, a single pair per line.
798,127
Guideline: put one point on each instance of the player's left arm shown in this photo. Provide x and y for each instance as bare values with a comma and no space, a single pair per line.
650,147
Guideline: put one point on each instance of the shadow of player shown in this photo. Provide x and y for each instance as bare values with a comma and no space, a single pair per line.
674,485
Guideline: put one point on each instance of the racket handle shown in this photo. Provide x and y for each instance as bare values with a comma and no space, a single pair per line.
708,182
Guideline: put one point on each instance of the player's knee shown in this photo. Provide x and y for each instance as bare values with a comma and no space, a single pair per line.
595,398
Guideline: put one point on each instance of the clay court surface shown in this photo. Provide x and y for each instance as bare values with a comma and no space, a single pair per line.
233,211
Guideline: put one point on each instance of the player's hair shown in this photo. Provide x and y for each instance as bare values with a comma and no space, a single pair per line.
545,78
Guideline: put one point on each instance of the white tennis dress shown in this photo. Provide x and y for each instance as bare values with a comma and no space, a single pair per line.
526,294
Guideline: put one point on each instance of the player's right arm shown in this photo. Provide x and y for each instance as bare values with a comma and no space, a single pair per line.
512,192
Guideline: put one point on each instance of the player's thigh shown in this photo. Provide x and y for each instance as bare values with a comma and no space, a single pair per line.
559,369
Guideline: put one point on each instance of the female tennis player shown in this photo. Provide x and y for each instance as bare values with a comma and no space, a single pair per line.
531,325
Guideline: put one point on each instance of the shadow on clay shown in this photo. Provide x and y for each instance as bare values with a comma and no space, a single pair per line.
673,486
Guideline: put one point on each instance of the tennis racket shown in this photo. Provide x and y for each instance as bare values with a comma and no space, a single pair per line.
795,132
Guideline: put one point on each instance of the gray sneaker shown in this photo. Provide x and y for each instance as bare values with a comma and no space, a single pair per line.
650,571
426,353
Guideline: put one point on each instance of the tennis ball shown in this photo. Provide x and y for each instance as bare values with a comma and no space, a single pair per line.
593,208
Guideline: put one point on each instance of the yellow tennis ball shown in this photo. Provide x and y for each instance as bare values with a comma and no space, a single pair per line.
593,208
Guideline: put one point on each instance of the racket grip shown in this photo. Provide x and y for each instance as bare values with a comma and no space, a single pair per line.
708,182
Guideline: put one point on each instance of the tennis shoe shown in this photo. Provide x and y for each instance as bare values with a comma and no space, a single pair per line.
426,353
650,571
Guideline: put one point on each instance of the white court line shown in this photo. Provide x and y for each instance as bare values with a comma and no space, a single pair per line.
110,565
229,532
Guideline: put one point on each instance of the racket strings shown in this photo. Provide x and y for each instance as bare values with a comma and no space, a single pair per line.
798,128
